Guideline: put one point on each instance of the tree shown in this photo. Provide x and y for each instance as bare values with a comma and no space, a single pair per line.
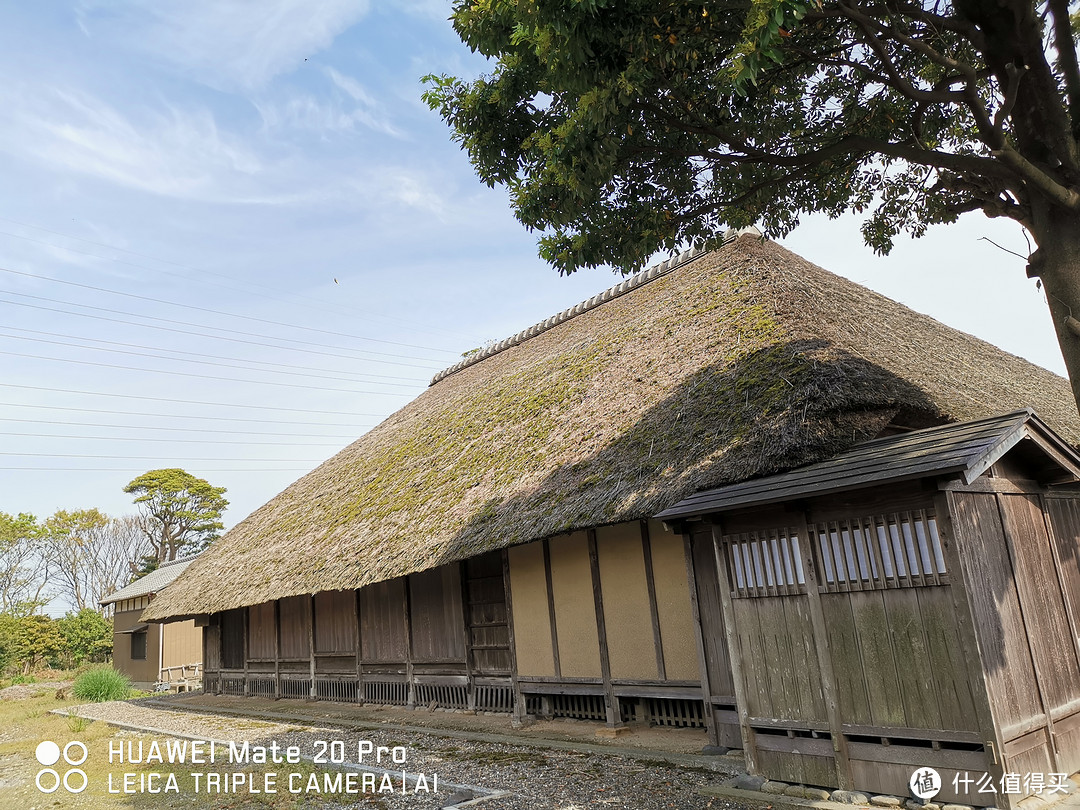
92,554
87,635
24,565
183,512
622,129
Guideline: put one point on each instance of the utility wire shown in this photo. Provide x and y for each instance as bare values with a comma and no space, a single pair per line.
200,356
141,469
170,440
172,400
191,416
200,430
225,314
212,377
205,362
304,343
158,458
246,289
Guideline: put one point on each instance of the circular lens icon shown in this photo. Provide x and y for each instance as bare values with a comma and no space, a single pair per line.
80,752
50,774
47,753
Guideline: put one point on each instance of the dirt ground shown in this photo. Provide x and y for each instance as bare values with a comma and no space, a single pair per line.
554,766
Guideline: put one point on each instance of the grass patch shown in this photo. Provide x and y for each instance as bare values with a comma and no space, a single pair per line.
26,722
100,685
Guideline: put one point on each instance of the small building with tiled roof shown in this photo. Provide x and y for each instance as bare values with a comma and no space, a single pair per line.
153,652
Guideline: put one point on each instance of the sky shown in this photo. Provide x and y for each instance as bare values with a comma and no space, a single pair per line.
233,238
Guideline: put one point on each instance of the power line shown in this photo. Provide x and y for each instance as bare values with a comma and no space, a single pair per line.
185,416
212,377
169,440
140,469
225,314
158,458
200,430
246,289
199,355
305,343
205,362
182,401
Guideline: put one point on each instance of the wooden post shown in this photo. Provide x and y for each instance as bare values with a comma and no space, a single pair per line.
969,640
611,702
359,651
727,613
410,700
311,641
551,610
277,649
247,636
829,691
470,688
519,715
699,636
654,611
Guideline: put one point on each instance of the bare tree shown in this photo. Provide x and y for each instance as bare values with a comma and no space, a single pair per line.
24,565
92,554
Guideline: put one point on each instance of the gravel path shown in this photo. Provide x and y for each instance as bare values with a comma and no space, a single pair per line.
534,778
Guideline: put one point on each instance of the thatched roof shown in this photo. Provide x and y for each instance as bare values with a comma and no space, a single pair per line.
736,364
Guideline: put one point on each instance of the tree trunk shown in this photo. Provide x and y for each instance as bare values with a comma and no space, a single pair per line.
1057,263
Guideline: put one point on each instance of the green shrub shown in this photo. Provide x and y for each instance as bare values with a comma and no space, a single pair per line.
99,685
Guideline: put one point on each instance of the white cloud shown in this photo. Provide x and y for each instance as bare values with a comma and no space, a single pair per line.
227,44
347,107
173,152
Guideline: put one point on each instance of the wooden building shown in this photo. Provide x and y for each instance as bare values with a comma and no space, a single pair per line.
153,652
912,602
492,545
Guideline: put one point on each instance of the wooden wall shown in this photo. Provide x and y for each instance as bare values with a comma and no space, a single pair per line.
335,622
847,657
383,635
608,613
604,614
436,623
183,644
1023,560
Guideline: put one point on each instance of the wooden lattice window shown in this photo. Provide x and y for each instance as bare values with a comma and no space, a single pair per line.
765,563
897,550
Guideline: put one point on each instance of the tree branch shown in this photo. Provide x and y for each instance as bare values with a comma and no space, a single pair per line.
1063,42
1039,179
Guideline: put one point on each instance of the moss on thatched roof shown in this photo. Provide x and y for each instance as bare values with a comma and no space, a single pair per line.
739,363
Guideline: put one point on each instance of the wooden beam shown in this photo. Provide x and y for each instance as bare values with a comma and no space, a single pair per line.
411,699
277,649
551,610
703,663
247,637
515,685
311,642
359,651
734,651
829,690
611,702
463,595
654,611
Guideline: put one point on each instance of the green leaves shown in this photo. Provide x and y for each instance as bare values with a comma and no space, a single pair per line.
185,511
622,130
